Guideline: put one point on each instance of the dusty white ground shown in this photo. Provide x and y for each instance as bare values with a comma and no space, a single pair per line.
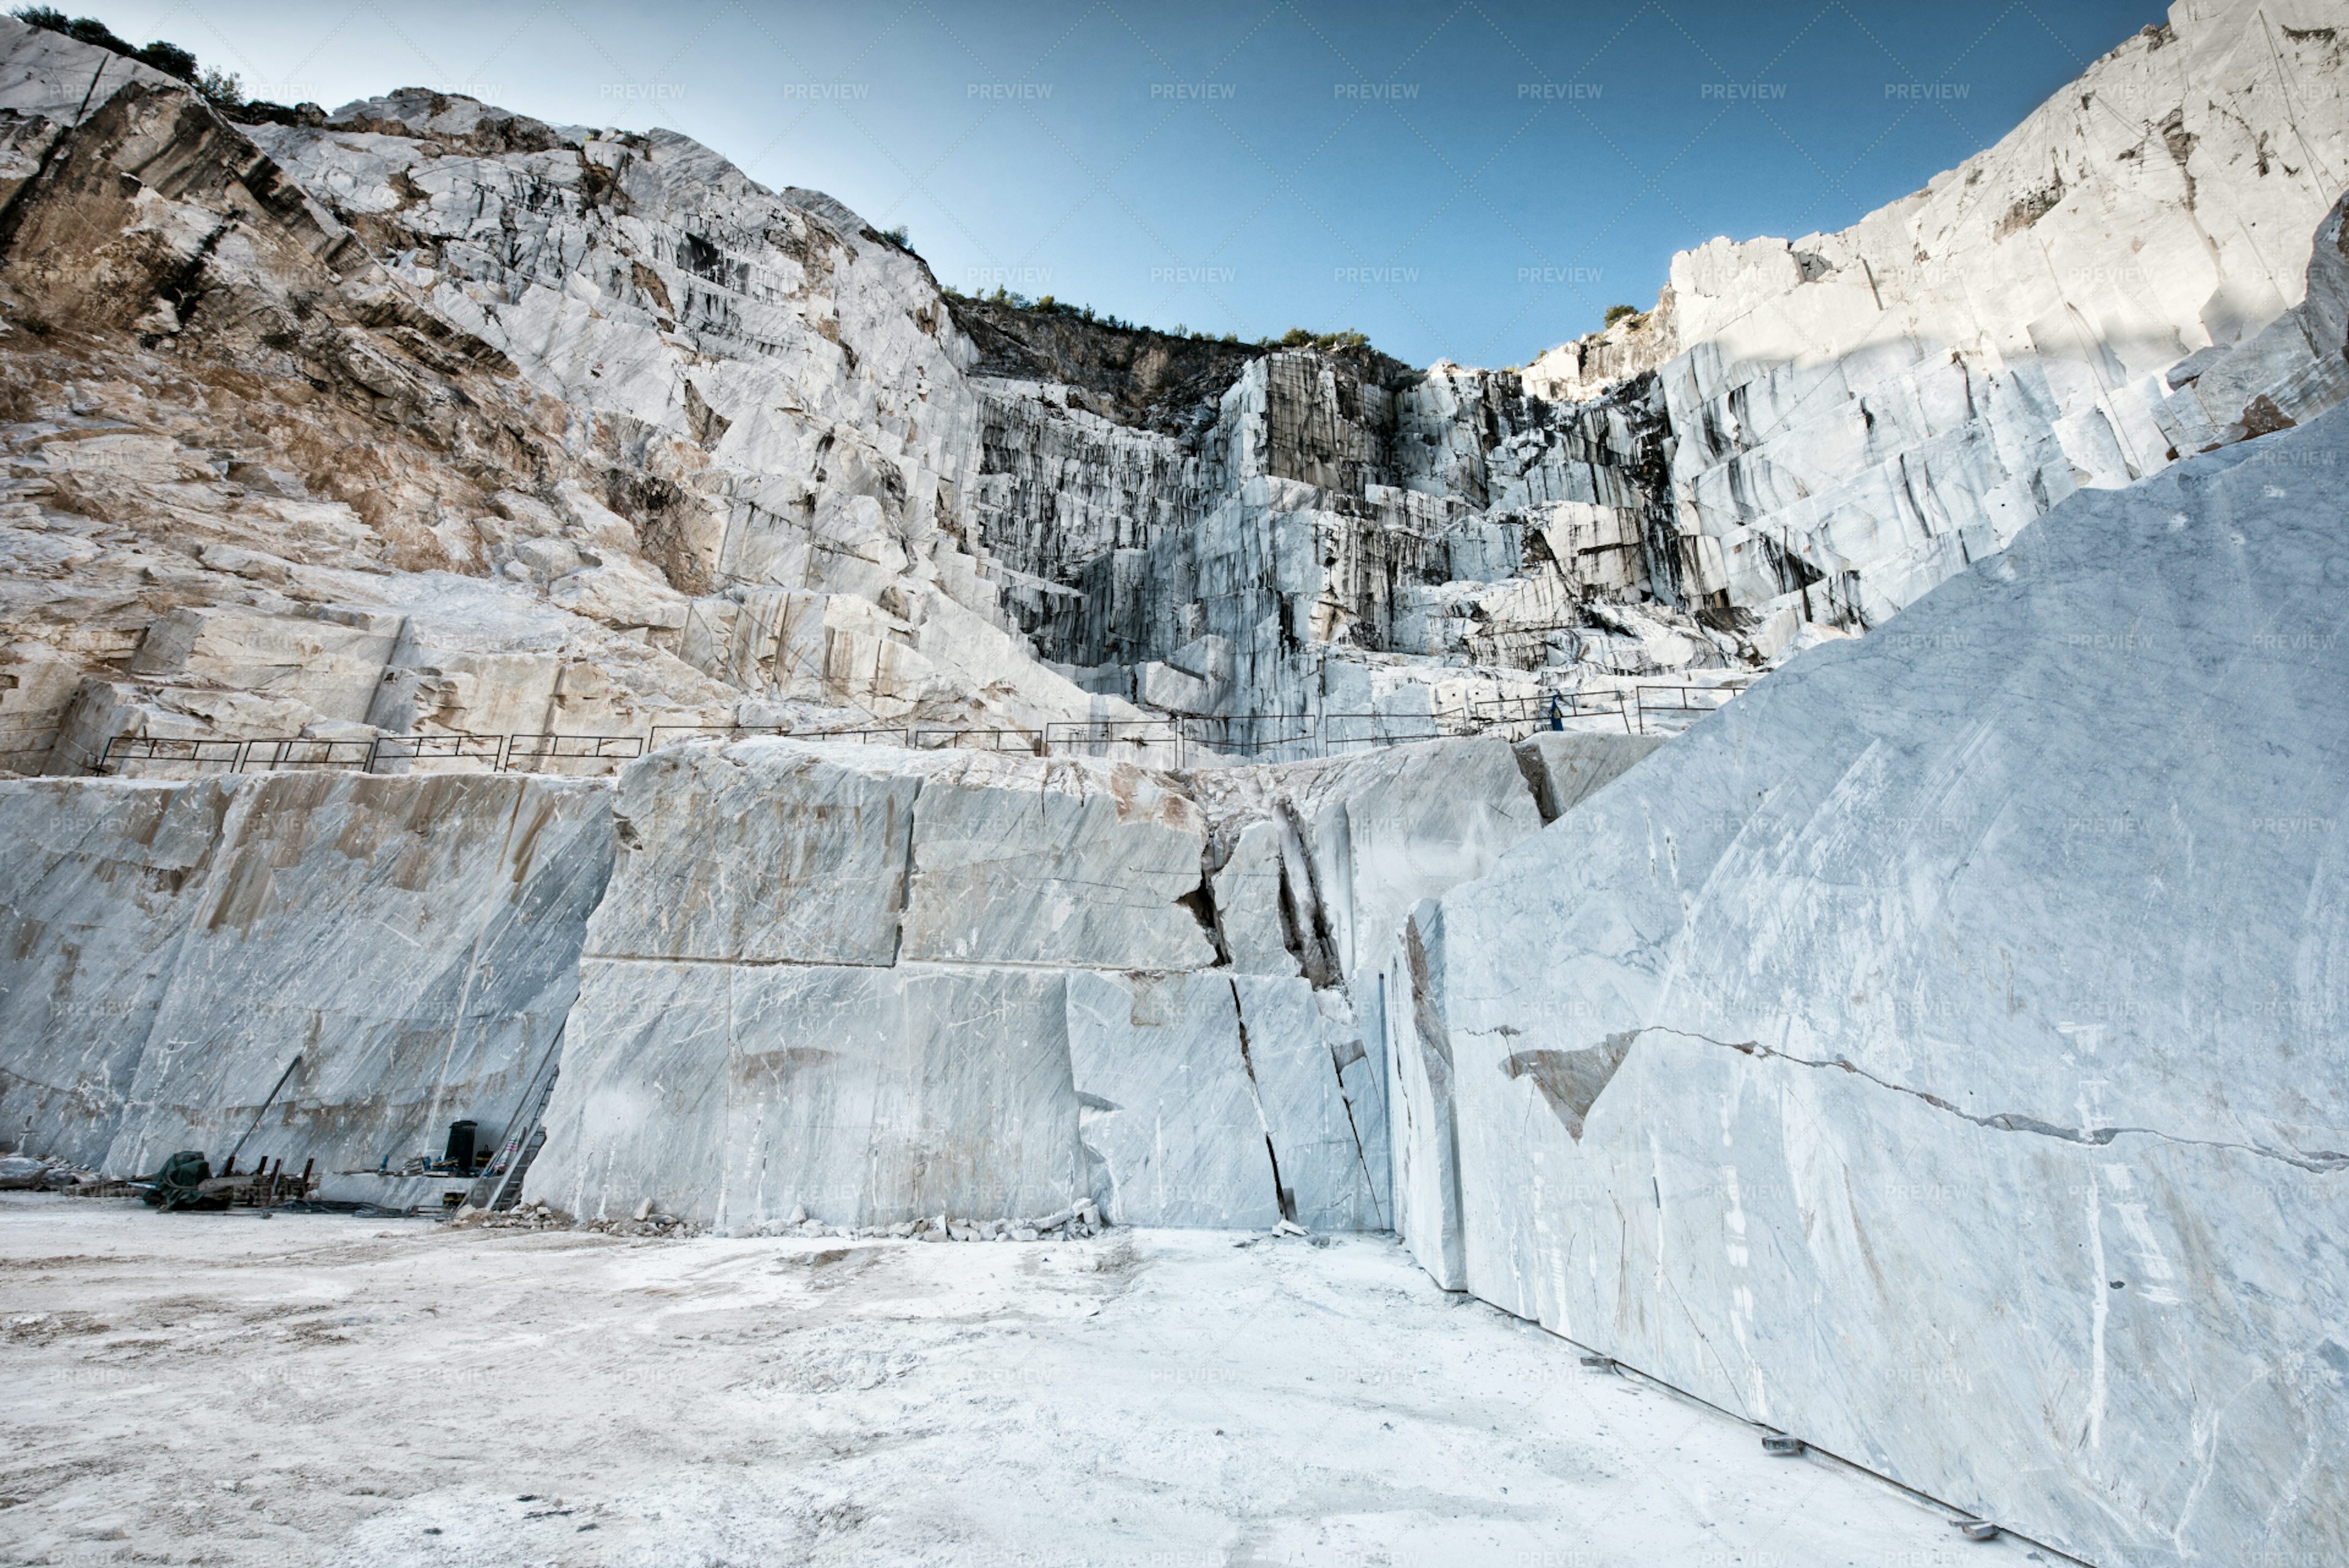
318,1390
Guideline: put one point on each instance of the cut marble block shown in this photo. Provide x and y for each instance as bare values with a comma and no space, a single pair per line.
414,942
97,883
1421,1125
733,1094
1565,768
1389,828
1935,1054
1319,1102
1018,859
1258,909
1223,1099
767,851
927,1090
1173,1132
1383,832
640,1105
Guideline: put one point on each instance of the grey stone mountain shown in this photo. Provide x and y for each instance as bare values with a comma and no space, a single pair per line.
577,432
1031,767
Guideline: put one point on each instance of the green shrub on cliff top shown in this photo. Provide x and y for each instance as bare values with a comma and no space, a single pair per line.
169,59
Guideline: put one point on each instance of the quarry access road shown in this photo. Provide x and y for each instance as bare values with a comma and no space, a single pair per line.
326,1389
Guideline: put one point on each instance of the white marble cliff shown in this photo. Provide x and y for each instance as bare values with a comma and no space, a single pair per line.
1886,404
423,417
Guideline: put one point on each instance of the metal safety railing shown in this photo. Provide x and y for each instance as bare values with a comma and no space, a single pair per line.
1321,734
1111,737
121,748
914,738
1676,699
532,753
487,749
1538,708
1027,742
670,734
1643,709
270,754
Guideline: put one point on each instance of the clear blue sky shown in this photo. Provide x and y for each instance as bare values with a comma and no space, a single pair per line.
1473,182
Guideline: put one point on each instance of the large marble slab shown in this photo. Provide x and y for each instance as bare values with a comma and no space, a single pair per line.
735,1094
1022,860
409,945
1174,1130
98,884
763,852
1936,1054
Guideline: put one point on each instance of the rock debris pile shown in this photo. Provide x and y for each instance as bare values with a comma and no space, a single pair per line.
1077,1222
24,1173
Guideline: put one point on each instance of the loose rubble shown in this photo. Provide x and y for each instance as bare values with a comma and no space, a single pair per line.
1081,1223
23,1173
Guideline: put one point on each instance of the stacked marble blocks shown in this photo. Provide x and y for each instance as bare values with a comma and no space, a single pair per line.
878,984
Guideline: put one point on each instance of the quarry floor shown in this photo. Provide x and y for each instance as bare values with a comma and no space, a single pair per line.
325,1389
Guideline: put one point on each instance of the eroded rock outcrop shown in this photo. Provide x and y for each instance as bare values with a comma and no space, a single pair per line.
606,437
608,440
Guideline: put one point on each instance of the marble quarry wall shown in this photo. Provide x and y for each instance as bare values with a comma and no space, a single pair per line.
874,984
1936,1053
868,983
172,948
1360,549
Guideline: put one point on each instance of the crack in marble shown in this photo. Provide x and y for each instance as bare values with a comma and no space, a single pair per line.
2322,1163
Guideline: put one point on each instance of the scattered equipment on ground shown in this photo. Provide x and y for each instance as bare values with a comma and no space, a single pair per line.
257,1115
186,1183
182,1181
